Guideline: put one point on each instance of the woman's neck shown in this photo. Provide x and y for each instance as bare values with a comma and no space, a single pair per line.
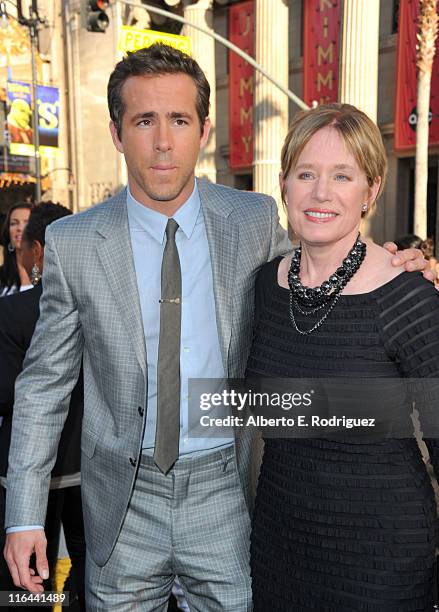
24,278
319,261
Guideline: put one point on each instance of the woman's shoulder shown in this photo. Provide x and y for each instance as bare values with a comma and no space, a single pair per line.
5,290
407,289
409,322
408,312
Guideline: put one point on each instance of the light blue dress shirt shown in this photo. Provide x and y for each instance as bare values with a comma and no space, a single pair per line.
200,354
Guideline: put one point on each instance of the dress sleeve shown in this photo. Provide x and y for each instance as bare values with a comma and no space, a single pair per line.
410,328
266,276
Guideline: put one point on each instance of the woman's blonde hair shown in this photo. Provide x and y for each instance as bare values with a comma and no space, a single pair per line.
360,134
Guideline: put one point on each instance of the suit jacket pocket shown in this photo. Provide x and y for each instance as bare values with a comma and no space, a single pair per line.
88,443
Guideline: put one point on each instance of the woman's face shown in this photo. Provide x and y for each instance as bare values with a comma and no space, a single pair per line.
17,223
326,190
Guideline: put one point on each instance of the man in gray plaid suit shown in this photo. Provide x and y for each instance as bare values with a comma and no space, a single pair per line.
101,302
151,288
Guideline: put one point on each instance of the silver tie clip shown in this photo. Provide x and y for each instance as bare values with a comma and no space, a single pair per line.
170,301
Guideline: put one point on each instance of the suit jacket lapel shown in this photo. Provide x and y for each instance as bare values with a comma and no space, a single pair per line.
115,253
222,236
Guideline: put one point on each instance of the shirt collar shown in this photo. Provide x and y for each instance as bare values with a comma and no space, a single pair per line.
153,222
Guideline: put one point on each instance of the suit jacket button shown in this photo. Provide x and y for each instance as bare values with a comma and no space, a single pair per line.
141,410
133,462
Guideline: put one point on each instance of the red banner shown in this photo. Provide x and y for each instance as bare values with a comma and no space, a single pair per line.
321,32
241,81
406,75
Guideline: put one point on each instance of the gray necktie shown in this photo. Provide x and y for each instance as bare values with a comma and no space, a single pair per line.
168,370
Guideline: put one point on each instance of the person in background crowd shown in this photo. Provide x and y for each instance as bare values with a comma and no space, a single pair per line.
152,287
409,241
18,315
427,249
2,220
13,276
346,523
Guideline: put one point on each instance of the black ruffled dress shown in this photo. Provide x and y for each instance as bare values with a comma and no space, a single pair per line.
341,526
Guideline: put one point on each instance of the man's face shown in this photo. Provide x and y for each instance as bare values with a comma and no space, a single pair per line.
160,139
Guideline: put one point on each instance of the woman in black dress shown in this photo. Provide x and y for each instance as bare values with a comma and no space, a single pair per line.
341,525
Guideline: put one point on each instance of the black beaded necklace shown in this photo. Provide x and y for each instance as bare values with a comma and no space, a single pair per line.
309,300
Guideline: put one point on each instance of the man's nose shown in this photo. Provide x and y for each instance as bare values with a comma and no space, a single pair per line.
163,140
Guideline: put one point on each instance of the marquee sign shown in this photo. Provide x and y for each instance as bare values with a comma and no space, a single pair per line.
321,32
241,79
406,82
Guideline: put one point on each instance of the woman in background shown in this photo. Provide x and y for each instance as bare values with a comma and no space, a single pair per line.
13,275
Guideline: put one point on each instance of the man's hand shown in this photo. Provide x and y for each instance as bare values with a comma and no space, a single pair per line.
411,259
18,550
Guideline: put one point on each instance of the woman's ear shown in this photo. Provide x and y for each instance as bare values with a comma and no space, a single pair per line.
283,187
281,182
373,192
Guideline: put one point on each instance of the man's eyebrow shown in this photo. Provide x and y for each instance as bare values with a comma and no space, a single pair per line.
176,114
146,115
152,115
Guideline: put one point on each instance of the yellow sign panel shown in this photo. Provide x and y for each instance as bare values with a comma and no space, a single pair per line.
18,148
132,39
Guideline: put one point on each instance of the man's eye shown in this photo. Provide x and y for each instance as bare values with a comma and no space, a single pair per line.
306,176
181,121
341,177
145,122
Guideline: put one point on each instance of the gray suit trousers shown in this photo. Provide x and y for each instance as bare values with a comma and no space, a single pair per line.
192,523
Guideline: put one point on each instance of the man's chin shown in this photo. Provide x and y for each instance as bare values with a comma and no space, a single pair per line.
163,196
161,190
164,192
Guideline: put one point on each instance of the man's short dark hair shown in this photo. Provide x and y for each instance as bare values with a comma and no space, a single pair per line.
42,215
158,59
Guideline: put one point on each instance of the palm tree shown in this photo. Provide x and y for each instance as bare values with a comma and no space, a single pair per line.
427,33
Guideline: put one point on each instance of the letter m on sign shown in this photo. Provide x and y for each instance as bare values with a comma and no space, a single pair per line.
241,83
321,47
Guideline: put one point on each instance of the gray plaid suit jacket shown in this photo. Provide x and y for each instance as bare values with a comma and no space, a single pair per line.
90,309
